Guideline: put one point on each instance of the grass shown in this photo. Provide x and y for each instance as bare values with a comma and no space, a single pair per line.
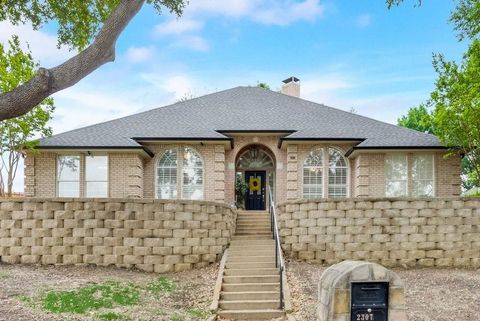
177,317
199,313
92,297
161,284
99,298
108,316
5,275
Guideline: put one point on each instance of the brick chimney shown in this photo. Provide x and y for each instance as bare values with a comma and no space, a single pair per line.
291,86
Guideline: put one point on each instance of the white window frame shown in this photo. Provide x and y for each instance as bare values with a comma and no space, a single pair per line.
86,181
347,167
57,178
321,167
161,155
407,167
179,170
433,179
183,171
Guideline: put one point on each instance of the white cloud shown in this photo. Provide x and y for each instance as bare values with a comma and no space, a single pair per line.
194,42
139,54
269,12
178,26
177,86
42,44
363,20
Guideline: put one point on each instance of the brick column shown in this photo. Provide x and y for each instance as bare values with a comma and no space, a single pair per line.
361,176
29,175
219,155
292,172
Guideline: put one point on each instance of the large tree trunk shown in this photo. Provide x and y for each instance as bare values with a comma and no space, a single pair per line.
48,81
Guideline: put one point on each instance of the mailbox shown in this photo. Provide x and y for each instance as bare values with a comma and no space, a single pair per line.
369,301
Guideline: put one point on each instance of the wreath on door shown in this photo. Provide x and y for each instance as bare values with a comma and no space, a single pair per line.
255,184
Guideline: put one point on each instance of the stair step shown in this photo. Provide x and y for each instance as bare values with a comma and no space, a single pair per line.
251,279
250,295
242,287
256,271
249,247
248,242
250,265
252,237
245,259
266,314
251,252
249,304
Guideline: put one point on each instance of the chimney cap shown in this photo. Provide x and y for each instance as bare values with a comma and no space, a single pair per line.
290,79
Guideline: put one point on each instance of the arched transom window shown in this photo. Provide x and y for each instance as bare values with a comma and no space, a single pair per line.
325,172
180,161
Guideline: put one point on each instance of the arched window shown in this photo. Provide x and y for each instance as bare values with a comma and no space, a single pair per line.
337,174
313,174
187,163
167,175
192,175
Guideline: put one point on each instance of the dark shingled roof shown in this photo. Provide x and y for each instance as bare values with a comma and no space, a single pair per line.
242,109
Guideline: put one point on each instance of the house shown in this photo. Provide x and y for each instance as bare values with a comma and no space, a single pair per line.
196,149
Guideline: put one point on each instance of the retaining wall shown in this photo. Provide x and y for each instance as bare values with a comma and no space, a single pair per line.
392,232
151,235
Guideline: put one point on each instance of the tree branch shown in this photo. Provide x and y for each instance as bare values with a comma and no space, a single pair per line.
25,97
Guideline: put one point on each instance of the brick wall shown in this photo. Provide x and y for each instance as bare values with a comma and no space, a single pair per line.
125,175
154,236
392,232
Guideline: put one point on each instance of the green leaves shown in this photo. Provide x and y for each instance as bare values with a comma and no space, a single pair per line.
78,20
417,118
17,134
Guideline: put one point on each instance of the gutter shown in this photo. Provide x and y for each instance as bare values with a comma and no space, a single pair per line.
355,148
282,139
142,148
149,139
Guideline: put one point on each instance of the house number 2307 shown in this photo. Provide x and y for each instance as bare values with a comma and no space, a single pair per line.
365,317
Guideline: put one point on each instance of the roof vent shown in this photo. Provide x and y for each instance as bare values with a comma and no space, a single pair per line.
291,86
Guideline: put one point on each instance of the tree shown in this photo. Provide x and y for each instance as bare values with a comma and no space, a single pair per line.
90,26
465,17
418,118
16,134
263,85
456,105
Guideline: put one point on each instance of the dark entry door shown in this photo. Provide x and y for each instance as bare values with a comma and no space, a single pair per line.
255,199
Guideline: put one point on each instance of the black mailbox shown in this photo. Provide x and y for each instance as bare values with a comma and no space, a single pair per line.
369,301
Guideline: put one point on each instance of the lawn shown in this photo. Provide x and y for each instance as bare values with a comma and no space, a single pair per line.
104,294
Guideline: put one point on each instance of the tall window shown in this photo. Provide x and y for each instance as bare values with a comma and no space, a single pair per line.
313,174
337,174
68,176
96,176
187,163
396,173
192,175
422,175
167,175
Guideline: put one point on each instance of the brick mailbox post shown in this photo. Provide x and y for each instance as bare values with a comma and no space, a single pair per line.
360,291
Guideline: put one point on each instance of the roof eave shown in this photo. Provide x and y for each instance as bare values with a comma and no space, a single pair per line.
141,149
352,150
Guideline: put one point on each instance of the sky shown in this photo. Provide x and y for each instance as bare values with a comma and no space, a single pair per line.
348,54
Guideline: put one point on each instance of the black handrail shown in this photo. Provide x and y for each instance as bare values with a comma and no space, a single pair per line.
279,262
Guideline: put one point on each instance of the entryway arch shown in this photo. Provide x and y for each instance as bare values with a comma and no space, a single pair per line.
255,167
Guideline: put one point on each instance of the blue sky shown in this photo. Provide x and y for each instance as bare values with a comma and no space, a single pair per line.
348,54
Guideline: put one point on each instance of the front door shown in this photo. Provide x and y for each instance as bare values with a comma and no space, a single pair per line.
255,199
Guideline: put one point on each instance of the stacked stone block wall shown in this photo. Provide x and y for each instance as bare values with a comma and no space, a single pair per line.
151,235
392,232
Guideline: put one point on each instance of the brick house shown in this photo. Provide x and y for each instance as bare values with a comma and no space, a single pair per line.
196,149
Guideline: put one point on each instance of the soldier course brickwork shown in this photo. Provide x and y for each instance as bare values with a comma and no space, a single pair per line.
151,235
392,232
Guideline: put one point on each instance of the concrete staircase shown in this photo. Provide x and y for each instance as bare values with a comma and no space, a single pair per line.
251,283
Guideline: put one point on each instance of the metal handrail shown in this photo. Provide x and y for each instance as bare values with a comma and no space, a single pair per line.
279,261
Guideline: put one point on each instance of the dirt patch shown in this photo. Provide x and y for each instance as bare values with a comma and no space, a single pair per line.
22,284
431,294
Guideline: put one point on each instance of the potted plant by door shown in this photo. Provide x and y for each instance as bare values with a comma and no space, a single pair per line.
241,189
